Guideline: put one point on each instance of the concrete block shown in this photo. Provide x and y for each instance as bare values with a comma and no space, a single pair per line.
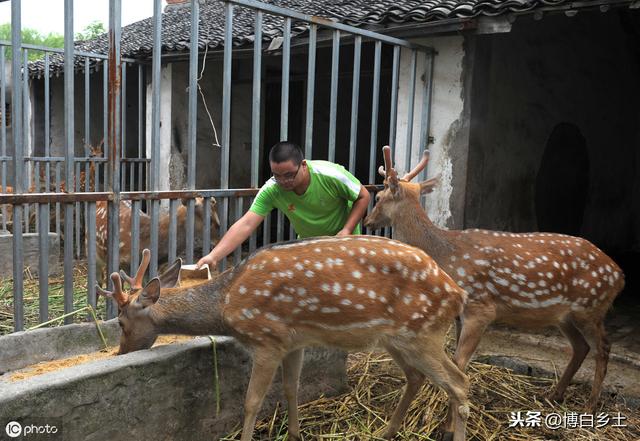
31,250
165,393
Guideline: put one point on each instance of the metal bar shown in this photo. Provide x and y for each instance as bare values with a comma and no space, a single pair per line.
254,4
280,226
136,209
25,128
77,187
226,115
410,110
393,114
47,121
237,254
173,230
57,190
426,107
113,141
69,153
206,227
311,83
333,101
105,117
284,99
3,134
192,127
140,114
255,112
43,262
355,95
91,254
87,94
77,53
373,147
155,132
123,107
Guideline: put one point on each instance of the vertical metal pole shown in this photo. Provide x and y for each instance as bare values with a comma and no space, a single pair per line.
412,96
47,122
237,254
69,155
426,106
91,254
136,208
226,115
87,94
355,94
140,128
25,136
255,111
311,82
333,106
172,243
114,141
105,117
3,133
123,111
393,117
43,262
192,127
284,100
206,227
374,112
18,165
155,133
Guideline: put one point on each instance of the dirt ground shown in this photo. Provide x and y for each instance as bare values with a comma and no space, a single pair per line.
549,352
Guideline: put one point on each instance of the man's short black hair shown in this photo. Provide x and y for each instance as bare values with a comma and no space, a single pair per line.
286,151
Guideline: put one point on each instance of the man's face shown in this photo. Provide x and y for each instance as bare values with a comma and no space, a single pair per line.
286,173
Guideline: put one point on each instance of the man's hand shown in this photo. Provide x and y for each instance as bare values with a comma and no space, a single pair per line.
343,232
208,259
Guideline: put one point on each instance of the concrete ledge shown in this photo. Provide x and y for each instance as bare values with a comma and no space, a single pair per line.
162,393
25,348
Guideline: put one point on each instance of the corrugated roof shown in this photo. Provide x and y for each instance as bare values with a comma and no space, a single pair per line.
137,38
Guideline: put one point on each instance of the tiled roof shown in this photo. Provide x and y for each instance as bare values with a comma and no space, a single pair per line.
137,38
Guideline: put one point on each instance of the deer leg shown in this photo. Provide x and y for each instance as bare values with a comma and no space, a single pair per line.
415,380
434,363
265,364
291,366
580,349
596,336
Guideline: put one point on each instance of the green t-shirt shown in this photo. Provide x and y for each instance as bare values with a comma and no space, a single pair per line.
322,210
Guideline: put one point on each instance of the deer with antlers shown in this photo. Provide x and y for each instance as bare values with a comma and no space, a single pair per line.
352,292
527,280
126,213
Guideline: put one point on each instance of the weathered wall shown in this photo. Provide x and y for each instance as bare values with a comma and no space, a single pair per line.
448,125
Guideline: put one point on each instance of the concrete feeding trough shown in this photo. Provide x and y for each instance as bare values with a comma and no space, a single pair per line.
166,392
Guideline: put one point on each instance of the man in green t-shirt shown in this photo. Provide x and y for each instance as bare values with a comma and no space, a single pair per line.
319,198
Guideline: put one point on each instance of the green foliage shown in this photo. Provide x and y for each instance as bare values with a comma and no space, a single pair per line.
52,39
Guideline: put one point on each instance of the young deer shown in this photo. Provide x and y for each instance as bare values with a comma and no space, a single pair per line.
349,292
145,231
527,280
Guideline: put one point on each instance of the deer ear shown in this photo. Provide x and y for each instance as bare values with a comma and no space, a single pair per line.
170,277
150,294
428,185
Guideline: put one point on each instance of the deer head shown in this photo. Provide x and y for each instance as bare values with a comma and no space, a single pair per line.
397,193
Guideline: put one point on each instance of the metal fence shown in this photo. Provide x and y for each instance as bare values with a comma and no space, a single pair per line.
109,182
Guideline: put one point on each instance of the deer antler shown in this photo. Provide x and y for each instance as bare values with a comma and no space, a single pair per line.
390,173
117,294
136,282
418,168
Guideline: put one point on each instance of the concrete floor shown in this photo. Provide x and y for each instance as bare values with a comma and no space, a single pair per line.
546,353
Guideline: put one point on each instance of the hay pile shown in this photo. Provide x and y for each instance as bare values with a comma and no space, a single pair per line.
376,384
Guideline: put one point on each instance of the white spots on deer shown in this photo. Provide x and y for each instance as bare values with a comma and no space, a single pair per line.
310,274
372,269
356,274
298,266
329,310
481,262
242,289
359,307
461,272
372,294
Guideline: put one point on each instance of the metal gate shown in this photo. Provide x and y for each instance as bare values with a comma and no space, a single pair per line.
42,202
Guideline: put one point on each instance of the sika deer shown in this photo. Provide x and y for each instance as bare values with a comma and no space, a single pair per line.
351,292
526,280
145,231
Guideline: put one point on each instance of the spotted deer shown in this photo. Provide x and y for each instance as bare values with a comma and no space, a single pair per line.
354,292
145,231
527,280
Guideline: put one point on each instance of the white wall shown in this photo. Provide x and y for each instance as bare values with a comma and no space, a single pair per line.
445,122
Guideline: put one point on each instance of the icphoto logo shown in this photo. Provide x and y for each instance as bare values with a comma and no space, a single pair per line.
13,429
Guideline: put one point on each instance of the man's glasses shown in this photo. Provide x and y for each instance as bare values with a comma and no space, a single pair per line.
287,177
